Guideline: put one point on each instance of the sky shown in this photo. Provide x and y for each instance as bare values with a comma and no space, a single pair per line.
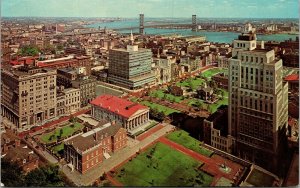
151,8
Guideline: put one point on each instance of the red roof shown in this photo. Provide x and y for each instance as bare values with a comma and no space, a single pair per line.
118,105
20,61
292,77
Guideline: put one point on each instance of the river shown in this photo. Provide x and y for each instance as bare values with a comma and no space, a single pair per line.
220,37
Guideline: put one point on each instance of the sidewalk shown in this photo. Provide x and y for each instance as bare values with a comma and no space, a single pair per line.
116,159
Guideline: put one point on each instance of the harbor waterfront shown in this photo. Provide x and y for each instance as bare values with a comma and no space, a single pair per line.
211,36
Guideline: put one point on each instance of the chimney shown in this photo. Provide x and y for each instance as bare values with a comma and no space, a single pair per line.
5,148
17,143
95,136
29,157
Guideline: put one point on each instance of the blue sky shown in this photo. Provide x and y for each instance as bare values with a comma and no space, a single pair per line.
152,8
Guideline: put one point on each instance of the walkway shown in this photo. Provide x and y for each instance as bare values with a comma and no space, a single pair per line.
149,132
113,181
116,159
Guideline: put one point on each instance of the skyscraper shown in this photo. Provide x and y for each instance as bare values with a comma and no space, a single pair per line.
131,67
258,101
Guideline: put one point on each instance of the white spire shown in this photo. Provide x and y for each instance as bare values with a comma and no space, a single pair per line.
131,38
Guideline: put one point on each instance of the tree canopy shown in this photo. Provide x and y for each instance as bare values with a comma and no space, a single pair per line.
45,176
29,50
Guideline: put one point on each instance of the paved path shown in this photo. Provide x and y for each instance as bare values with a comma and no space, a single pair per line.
149,132
113,181
116,159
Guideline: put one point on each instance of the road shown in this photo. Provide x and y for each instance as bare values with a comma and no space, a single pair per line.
116,159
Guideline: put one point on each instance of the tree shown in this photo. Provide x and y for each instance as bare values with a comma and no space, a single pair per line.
46,176
36,178
29,50
61,131
11,174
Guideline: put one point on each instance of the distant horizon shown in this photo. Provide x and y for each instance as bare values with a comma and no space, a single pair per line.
152,8
137,17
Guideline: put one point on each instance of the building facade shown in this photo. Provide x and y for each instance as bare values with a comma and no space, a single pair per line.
131,67
88,150
87,86
258,102
216,130
111,108
28,96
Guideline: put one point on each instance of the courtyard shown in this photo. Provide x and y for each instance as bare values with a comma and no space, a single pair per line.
68,130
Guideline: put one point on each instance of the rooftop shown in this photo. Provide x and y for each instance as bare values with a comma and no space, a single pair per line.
118,105
94,136
292,77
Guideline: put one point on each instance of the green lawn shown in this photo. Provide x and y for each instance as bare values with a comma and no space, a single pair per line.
160,108
209,73
58,147
67,131
183,138
160,94
192,83
161,165
210,107
213,107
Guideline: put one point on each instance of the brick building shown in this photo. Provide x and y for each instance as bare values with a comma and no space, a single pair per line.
12,149
88,150
130,115
28,96
221,79
216,130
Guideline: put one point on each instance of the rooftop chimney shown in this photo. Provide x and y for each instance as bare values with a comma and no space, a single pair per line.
17,143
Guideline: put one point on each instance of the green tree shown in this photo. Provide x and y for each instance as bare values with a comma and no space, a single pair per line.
61,131
36,178
11,174
29,50
46,176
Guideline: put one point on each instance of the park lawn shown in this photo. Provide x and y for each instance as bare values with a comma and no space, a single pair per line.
210,107
183,138
225,92
67,131
192,83
213,107
167,111
58,147
133,99
164,167
209,73
160,94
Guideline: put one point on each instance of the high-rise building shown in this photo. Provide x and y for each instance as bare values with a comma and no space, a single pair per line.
28,96
141,24
194,23
258,102
131,67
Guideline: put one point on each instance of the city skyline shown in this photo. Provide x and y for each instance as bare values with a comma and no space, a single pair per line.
152,8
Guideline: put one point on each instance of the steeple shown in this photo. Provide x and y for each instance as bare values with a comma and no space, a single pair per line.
131,38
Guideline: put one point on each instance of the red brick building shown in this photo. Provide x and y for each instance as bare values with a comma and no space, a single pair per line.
88,150
12,149
80,61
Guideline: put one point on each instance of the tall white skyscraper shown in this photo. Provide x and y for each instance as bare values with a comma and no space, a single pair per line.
258,102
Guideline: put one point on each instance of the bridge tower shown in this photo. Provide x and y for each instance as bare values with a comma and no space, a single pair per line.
141,24
194,23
